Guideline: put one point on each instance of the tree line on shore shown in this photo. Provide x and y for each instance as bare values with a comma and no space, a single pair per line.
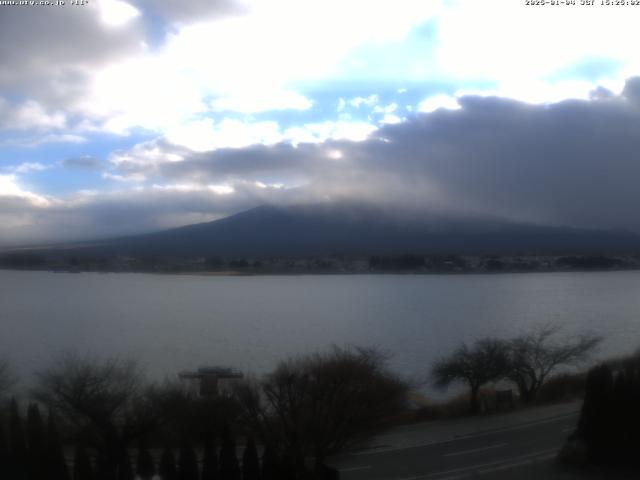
118,424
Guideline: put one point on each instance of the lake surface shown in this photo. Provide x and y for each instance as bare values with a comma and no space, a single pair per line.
177,322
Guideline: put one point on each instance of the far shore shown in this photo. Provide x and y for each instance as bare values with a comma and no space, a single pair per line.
265,273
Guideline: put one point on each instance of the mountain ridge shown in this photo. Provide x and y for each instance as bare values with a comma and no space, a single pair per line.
357,230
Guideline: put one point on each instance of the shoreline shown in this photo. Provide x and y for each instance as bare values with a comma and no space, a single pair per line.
276,273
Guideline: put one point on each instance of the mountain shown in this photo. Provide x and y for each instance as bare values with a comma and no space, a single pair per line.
325,229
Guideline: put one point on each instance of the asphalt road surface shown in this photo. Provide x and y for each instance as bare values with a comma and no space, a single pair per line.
516,451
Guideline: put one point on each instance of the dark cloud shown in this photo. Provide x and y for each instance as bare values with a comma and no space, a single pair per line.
101,215
179,11
47,54
632,91
83,162
574,163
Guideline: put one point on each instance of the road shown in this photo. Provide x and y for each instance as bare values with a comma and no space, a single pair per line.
502,449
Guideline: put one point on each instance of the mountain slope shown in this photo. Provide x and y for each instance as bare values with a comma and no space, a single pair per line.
359,230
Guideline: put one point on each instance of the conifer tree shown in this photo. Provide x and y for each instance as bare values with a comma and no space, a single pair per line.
56,463
250,462
229,468
82,468
145,467
595,418
621,416
17,444
4,454
286,470
167,468
125,471
187,463
210,460
36,440
105,466
269,464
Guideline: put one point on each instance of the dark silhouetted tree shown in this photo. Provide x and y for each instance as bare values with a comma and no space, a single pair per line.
609,421
229,467
108,397
18,445
106,467
250,462
125,471
210,460
37,443
167,469
595,418
269,464
82,468
187,463
623,441
145,467
5,458
320,404
484,361
534,356
56,463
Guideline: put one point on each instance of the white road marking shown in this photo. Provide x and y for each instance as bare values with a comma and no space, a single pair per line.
513,461
465,437
464,452
354,469
516,464
453,477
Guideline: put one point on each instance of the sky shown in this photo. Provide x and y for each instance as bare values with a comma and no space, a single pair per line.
126,116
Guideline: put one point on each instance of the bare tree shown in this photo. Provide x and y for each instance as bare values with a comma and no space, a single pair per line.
535,355
107,398
320,404
484,361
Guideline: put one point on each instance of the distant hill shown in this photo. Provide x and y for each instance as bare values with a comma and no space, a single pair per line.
326,229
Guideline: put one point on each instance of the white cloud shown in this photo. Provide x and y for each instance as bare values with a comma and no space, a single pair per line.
144,154
236,134
390,119
129,177
369,101
320,132
32,141
435,102
10,187
246,62
116,13
257,101
335,154
392,107
250,56
29,115
203,135
222,189
144,92
510,42
28,167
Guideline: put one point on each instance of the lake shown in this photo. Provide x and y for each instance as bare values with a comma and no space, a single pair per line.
176,322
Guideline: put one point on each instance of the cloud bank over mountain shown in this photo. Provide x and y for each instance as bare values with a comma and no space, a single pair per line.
128,116
570,163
